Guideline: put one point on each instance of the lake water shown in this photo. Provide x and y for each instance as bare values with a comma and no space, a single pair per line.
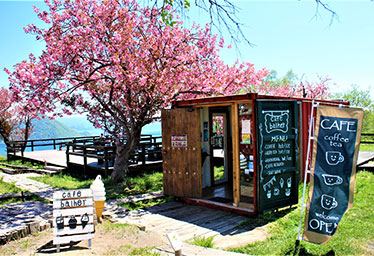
2,149
154,129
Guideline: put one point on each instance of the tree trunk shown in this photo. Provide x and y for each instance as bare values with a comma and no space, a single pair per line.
123,153
121,167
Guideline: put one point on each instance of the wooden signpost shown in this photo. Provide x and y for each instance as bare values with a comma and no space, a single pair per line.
73,216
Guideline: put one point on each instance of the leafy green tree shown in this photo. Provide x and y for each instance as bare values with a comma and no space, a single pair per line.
361,99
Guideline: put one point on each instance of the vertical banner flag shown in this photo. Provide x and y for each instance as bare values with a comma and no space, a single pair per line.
333,177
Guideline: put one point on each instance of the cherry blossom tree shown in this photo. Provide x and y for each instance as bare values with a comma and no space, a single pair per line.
15,120
121,63
290,85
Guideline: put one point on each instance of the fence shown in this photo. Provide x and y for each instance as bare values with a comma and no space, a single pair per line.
104,150
16,146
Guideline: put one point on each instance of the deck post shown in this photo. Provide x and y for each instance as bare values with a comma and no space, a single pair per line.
106,160
32,145
143,155
84,160
74,142
67,154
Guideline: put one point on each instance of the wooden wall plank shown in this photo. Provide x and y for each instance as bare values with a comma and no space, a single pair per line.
73,211
235,152
72,203
77,193
68,239
66,220
78,230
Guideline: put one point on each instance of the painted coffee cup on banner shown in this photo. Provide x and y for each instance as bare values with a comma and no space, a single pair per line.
328,202
334,157
331,180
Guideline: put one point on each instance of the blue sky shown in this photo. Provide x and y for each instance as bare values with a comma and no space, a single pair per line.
285,35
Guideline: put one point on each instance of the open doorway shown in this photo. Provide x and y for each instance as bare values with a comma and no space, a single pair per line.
219,168
220,189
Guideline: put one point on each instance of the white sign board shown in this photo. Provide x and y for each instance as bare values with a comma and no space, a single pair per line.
175,241
73,216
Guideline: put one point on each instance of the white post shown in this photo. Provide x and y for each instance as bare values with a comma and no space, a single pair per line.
311,130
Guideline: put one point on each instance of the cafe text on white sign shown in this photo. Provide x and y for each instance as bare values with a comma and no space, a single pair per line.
73,216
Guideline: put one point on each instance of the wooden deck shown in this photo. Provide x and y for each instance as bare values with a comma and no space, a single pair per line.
58,158
55,157
190,221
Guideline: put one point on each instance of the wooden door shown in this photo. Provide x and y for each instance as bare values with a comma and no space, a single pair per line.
181,144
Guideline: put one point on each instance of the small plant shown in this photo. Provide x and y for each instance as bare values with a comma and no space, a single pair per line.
144,252
26,243
120,230
202,241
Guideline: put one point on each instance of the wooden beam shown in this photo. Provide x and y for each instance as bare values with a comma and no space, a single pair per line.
235,153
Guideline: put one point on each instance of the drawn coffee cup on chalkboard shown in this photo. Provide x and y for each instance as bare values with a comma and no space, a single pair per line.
288,192
331,180
72,222
328,202
334,157
60,222
268,194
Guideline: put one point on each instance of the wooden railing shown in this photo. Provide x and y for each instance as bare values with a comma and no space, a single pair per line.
104,150
16,146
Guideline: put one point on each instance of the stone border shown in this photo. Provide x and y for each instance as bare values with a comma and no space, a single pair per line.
24,230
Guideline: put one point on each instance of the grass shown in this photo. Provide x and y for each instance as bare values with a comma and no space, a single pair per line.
219,172
11,188
134,185
367,147
8,187
19,163
63,181
354,233
144,252
202,241
145,203
130,186
120,229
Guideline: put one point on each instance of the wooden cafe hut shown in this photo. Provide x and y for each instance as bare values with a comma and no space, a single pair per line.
244,153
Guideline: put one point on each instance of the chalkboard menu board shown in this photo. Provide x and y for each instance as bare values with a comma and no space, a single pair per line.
333,165
277,152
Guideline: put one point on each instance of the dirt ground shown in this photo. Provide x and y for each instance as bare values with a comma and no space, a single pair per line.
110,239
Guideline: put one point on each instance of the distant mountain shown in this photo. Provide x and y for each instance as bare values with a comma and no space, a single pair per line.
49,129
86,128
81,124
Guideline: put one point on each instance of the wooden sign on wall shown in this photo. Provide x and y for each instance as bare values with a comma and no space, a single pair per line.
73,216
